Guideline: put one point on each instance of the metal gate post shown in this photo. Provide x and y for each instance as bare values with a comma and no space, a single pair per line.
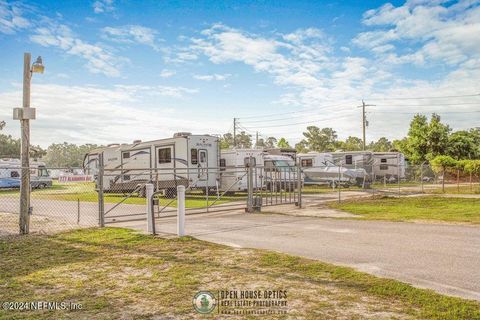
149,189
101,204
299,184
250,184
181,211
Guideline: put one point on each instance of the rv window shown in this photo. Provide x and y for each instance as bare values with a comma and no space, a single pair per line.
194,153
42,172
165,155
349,159
223,164
14,174
383,160
126,155
384,167
307,163
269,166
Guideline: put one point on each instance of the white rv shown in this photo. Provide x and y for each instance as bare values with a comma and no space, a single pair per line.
271,172
185,159
233,174
388,165
11,170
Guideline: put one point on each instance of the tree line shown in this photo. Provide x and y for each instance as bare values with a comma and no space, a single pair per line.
425,140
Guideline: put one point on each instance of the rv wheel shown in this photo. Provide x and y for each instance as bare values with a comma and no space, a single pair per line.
41,186
142,193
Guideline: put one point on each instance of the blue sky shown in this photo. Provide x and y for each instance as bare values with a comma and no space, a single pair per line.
123,70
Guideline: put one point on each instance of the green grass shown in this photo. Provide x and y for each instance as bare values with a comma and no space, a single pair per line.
414,208
85,192
116,273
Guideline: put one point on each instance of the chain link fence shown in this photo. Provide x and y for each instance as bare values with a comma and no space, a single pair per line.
60,200
387,180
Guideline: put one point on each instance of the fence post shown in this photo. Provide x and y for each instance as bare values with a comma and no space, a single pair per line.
421,175
250,184
299,184
101,204
398,173
181,211
149,189
339,183
458,180
207,189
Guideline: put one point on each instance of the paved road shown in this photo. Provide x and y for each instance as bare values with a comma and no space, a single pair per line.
441,257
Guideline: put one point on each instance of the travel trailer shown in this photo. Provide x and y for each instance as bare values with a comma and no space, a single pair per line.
184,159
319,168
388,165
11,170
272,171
233,174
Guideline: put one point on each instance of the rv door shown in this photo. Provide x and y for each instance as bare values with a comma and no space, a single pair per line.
202,164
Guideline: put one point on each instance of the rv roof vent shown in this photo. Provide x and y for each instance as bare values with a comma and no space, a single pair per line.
181,134
112,145
137,141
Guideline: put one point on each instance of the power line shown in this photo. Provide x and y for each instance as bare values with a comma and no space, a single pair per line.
446,112
433,97
291,112
296,123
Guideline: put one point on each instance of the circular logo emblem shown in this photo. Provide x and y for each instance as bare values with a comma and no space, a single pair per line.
204,302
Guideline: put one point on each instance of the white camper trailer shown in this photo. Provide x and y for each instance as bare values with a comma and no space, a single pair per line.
11,170
184,159
272,171
233,174
389,165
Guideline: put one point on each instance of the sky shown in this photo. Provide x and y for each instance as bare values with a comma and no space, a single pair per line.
118,70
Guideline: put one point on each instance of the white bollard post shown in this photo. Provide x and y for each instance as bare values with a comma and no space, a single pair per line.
181,211
149,193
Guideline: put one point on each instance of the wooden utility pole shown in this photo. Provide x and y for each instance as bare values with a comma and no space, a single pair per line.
25,146
364,122
234,132
256,140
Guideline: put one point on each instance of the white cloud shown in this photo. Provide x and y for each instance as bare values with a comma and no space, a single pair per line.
210,77
131,34
101,6
99,59
440,32
165,73
11,18
90,114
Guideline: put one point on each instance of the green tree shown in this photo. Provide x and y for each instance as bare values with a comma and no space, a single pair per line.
10,147
381,145
464,144
425,140
244,140
226,141
283,143
270,142
437,137
317,139
351,144
67,154
443,164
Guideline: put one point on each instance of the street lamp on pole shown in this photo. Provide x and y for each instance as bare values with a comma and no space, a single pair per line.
25,114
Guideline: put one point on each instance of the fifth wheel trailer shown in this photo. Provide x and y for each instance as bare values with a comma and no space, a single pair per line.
184,159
